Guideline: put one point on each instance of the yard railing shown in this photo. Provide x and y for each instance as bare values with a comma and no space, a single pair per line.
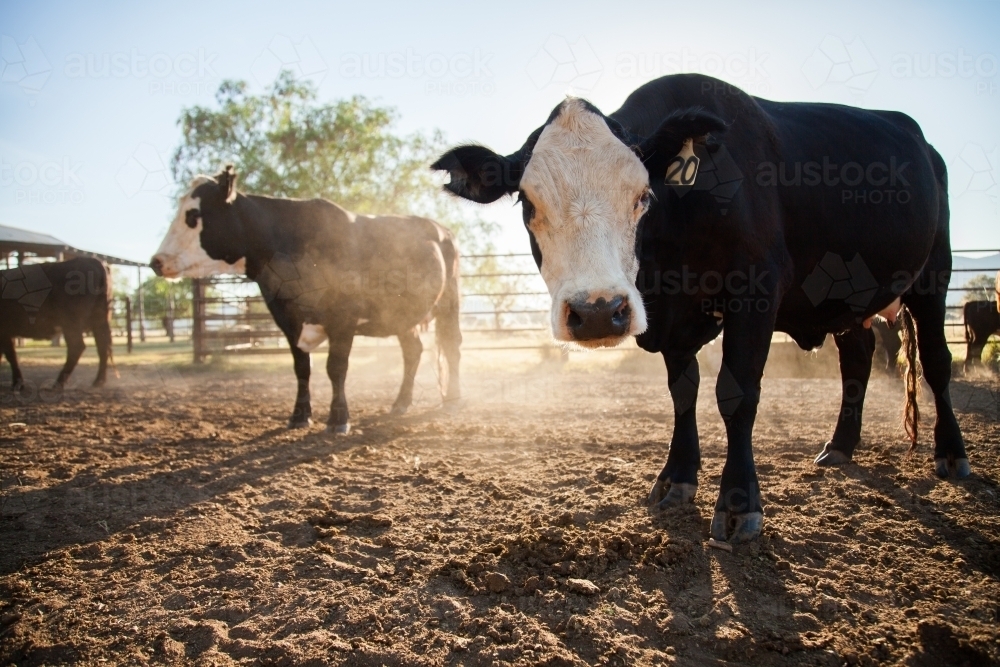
504,306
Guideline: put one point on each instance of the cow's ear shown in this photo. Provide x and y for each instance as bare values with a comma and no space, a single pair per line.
668,139
480,175
227,183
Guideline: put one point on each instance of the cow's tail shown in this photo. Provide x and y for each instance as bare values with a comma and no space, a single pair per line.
911,377
447,331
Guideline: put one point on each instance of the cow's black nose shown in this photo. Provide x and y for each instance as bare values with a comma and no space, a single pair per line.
157,266
601,319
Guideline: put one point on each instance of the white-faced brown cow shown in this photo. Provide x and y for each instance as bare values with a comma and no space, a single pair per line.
325,273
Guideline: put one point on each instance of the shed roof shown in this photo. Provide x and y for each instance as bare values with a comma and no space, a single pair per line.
13,239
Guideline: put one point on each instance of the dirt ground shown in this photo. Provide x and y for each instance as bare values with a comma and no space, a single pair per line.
170,518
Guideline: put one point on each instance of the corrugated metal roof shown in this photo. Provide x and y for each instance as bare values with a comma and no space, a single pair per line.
15,235
13,239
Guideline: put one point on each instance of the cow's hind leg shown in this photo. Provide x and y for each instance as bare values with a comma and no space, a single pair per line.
412,349
448,334
928,309
678,482
856,347
102,338
74,348
7,350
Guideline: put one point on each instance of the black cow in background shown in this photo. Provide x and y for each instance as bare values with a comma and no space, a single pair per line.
325,273
39,300
887,346
982,320
696,208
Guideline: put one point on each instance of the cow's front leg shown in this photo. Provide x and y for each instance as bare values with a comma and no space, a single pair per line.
856,346
746,339
74,349
678,482
302,413
339,421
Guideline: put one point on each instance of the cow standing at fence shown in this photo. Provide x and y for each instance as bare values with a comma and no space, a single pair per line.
696,208
982,320
326,274
39,300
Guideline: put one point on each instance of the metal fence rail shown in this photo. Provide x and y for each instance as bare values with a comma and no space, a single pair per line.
508,297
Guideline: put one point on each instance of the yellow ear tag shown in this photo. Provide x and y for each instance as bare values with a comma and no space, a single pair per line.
683,167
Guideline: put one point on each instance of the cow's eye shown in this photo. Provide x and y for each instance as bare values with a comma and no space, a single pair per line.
642,203
191,218
527,208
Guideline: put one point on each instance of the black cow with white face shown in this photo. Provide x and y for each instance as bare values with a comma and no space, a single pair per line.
325,273
774,226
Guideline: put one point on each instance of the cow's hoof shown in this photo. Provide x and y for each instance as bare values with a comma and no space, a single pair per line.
300,423
666,494
737,528
831,457
958,468
98,383
339,429
398,410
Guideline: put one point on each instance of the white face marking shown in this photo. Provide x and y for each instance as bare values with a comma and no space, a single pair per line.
180,253
587,188
312,337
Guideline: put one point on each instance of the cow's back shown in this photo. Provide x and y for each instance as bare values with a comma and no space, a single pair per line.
39,298
816,179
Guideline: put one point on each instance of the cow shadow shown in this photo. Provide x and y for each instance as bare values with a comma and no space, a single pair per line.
92,506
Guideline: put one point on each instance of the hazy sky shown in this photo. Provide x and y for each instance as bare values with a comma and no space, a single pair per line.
90,97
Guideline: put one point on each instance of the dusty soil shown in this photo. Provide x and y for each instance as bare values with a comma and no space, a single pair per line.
171,518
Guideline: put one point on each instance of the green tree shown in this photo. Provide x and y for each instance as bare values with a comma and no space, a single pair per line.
981,287
156,293
285,142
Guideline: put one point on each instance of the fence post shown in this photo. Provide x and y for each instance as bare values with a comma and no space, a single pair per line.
142,310
198,319
128,323
170,314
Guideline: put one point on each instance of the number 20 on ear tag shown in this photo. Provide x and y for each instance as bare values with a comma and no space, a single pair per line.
683,167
